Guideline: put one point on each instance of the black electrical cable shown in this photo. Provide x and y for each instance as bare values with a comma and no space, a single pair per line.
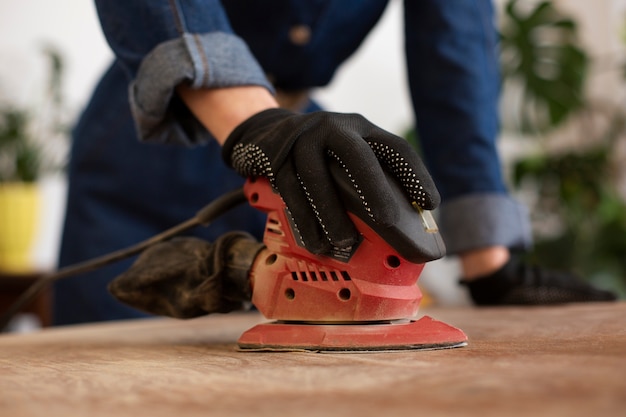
203,217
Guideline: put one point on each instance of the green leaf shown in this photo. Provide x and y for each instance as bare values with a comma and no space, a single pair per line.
541,53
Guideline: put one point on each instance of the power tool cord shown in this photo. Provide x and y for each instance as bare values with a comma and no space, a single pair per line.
202,218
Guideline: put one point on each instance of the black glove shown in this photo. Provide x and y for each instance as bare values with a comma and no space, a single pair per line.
294,150
189,277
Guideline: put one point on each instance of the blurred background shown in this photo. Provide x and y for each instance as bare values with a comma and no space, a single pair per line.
563,119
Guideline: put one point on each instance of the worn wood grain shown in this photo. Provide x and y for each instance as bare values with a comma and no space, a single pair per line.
557,361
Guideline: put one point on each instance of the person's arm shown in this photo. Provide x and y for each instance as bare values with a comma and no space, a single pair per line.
220,110
452,64
164,45
191,74
452,61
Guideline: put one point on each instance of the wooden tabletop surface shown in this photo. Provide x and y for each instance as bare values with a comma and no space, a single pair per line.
548,361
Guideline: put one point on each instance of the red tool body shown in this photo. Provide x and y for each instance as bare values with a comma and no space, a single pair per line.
366,299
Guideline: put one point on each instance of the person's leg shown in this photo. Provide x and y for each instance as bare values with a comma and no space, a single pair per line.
122,191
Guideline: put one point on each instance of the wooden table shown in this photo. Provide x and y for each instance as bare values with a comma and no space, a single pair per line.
559,361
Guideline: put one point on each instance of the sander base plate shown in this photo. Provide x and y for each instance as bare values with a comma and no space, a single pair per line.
423,334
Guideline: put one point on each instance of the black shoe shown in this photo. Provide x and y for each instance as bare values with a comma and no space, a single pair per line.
517,283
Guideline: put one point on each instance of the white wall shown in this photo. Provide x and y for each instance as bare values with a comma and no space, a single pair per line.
71,25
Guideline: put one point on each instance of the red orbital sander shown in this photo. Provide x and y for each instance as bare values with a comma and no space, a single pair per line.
364,299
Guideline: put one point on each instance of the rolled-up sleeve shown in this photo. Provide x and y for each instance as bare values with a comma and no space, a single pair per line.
163,43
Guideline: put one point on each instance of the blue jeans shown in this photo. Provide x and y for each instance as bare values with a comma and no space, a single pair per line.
122,191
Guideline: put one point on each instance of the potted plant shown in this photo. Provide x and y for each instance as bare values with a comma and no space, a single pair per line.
25,156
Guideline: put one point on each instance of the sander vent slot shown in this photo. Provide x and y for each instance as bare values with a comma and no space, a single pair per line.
274,226
322,276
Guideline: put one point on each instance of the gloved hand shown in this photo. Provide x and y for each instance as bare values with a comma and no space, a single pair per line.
293,151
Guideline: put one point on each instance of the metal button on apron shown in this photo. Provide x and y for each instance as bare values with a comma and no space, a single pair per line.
300,34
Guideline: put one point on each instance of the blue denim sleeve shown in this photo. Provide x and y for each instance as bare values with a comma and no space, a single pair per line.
452,63
163,43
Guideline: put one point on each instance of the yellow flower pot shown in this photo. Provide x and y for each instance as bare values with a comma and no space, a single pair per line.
19,215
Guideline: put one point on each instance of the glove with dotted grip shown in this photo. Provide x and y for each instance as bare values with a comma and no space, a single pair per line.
293,151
